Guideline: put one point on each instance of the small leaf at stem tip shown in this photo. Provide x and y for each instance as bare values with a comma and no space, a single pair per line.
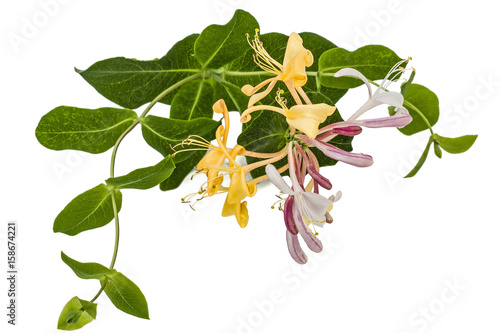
76,314
89,210
437,150
145,178
421,161
456,145
406,85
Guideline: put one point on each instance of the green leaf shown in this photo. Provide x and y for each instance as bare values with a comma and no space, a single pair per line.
125,295
374,61
193,100
406,85
456,145
164,133
92,131
76,314
182,169
437,150
89,210
219,44
421,161
145,178
423,106
88,270
131,83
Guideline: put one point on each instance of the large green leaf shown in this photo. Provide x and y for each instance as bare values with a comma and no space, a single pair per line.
374,61
145,178
193,100
89,210
455,145
164,133
131,83
125,295
219,44
76,314
89,270
92,131
423,106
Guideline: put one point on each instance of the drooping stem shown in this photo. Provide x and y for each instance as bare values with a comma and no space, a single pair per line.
113,159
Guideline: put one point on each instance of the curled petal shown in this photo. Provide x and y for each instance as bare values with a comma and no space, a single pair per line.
311,240
328,218
288,215
297,58
356,159
277,180
307,118
355,73
294,248
239,210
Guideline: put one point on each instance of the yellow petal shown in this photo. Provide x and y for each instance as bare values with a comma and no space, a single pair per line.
239,189
297,58
307,118
239,210
211,158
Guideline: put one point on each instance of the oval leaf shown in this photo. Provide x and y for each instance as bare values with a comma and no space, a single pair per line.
456,145
131,83
125,295
91,209
76,314
219,44
145,178
92,131
423,106
374,61
90,270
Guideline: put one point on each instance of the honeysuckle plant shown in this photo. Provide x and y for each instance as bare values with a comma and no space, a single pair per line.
285,88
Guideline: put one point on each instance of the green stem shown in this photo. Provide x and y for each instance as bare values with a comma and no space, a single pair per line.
113,159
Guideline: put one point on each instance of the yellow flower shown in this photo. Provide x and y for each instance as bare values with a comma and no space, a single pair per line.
292,72
305,118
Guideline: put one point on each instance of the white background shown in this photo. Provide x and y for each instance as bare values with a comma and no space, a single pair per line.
396,245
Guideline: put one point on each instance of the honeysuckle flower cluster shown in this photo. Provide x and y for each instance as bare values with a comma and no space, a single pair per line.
303,207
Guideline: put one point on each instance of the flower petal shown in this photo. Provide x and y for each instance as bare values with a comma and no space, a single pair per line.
288,215
311,240
307,118
277,180
294,248
400,119
389,97
355,73
319,178
356,159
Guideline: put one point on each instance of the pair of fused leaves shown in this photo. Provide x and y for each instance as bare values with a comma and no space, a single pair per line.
123,293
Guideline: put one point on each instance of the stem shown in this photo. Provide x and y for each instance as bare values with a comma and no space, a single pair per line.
113,159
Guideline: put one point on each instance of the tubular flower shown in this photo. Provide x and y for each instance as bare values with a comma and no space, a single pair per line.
301,209
292,72
305,118
212,164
